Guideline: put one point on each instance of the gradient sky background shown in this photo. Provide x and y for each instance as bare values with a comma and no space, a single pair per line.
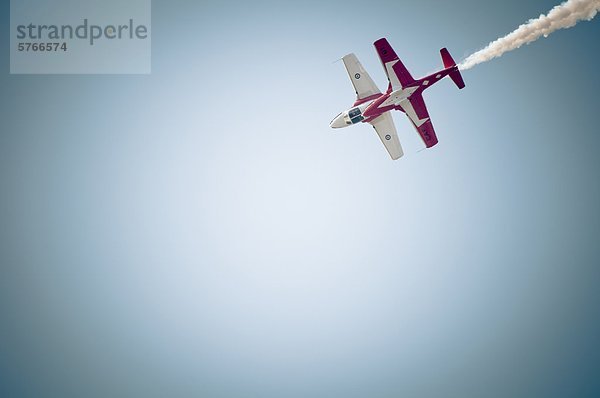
201,231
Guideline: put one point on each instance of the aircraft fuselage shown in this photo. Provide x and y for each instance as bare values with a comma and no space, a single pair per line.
367,109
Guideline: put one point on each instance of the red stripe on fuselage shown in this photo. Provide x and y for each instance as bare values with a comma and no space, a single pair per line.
366,99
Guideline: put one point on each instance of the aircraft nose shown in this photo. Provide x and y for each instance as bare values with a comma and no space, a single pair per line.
338,122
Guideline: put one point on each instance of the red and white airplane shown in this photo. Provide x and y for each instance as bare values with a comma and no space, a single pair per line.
403,94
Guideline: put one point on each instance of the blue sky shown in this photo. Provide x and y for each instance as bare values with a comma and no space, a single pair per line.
201,231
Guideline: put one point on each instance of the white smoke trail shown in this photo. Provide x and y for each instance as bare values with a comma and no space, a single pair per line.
562,16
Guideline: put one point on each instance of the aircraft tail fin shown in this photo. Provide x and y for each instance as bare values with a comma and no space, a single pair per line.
455,73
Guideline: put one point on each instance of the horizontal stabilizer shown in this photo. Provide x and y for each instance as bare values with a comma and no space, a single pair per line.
449,63
457,79
447,58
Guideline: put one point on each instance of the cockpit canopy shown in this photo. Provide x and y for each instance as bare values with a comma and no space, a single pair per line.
348,118
355,115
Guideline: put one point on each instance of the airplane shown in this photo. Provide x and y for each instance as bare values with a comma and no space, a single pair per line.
403,94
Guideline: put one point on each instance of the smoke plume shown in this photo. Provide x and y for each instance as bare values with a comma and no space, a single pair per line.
562,16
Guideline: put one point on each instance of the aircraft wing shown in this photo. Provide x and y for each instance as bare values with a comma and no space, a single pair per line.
398,75
415,109
384,125
362,82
